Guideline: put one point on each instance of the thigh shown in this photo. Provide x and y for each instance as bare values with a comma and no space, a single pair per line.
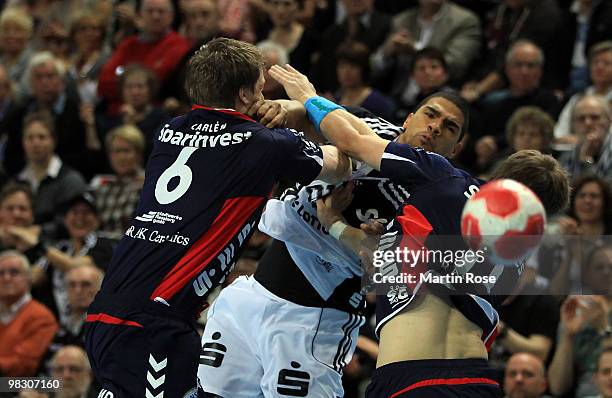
305,349
228,366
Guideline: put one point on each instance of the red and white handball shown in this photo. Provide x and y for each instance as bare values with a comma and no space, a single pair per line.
505,219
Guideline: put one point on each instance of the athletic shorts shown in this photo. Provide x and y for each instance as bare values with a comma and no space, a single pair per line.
435,378
258,345
142,354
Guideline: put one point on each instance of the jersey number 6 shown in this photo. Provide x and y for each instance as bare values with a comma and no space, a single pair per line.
177,169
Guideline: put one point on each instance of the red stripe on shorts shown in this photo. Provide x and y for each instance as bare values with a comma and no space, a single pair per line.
105,318
437,382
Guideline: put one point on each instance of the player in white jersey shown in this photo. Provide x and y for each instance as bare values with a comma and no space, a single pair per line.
290,329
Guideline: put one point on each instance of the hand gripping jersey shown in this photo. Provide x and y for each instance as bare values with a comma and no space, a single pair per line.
206,183
330,268
430,219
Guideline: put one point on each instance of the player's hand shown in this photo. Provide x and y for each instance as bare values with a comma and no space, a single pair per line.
296,84
330,208
269,113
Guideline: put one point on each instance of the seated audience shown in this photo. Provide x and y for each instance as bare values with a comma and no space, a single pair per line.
16,28
16,211
117,194
26,326
525,376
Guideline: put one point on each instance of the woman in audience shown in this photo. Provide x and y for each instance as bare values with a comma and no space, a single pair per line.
16,29
87,33
138,87
353,70
589,219
117,194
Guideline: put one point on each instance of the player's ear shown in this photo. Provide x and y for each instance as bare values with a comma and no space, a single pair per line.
243,95
410,116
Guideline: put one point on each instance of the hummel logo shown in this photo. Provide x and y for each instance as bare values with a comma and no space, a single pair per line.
157,366
156,382
158,217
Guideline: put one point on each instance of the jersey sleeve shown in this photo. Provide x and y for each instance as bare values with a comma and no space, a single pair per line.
404,164
296,158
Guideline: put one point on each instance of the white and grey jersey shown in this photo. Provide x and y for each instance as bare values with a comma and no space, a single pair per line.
326,264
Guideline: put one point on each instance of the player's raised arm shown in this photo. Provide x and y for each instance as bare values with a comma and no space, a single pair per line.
347,132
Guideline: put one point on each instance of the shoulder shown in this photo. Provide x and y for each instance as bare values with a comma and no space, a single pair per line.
36,309
461,13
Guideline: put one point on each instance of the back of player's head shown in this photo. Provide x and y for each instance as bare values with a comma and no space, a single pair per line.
458,101
218,70
542,174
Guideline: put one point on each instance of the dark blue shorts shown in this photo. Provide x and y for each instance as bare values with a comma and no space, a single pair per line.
137,353
435,378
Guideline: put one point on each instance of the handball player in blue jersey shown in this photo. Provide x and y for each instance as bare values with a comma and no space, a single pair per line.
207,180
433,339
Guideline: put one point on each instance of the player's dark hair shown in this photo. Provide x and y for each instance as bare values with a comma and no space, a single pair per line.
606,193
459,102
540,173
218,70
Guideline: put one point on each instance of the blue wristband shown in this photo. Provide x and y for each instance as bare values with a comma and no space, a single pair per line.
317,108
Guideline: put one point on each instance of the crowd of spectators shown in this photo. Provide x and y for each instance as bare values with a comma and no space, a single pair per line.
85,85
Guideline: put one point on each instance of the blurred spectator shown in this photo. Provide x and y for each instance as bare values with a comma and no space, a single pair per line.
26,326
236,19
201,20
45,75
52,182
597,270
299,41
584,330
71,365
534,20
586,22
87,32
441,24
529,127
600,66
82,282
525,376
158,47
353,71
524,63
591,126
16,29
84,246
603,374
273,54
429,74
117,194
139,88
363,24
589,219
7,105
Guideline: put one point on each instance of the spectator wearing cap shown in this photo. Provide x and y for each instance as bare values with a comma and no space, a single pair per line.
26,326
85,245
117,194
52,182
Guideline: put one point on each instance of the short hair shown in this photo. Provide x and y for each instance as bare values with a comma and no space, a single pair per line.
606,192
540,173
605,350
219,69
135,69
522,43
98,273
355,53
428,53
533,116
25,263
129,133
71,347
458,101
12,188
598,48
268,45
18,16
41,58
43,117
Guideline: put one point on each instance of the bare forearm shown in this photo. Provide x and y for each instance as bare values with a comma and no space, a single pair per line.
561,369
536,345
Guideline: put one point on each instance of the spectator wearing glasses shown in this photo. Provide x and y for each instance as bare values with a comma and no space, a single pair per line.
26,326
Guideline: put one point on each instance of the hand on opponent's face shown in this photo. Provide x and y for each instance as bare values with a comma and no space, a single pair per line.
269,113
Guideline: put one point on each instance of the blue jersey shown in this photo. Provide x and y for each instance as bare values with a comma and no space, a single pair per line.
207,180
431,218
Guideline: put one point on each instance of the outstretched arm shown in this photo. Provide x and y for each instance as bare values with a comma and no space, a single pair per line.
347,132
